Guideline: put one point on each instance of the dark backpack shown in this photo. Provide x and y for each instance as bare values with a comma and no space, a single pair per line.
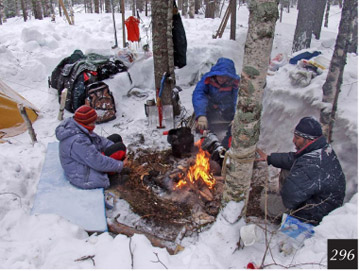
78,71
99,97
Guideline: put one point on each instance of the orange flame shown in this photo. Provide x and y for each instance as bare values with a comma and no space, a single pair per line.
200,170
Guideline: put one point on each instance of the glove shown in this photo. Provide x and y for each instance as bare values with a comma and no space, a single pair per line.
202,123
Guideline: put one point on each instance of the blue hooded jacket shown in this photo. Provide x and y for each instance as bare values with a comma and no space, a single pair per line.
207,96
81,156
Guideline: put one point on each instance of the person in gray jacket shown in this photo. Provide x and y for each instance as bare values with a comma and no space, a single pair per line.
83,153
315,183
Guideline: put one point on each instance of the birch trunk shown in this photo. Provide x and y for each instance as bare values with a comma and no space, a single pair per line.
332,86
327,12
246,126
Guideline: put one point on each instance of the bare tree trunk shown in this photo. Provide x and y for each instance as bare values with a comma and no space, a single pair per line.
210,10
24,10
46,8
353,46
52,7
246,125
319,15
140,5
184,8
146,8
96,6
108,6
59,6
37,9
233,20
332,85
2,16
17,8
122,7
192,9
162,11
328,4
180,4
304,25
133,8
197,6
281,9
217,8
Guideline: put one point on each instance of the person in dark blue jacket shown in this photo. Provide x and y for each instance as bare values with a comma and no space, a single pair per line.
85,156
215,95
315,184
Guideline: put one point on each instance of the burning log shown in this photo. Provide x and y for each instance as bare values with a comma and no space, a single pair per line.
171,247
206,193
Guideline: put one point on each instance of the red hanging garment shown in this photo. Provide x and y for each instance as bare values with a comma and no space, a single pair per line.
132,26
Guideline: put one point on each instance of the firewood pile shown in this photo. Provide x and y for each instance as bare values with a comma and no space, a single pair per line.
170,206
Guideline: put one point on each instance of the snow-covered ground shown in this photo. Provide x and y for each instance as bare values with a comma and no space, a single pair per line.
28,54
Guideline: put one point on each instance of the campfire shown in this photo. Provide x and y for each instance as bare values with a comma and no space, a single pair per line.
198,172
174,197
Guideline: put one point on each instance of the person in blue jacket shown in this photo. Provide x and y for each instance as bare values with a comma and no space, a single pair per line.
85,156
215,95
315,183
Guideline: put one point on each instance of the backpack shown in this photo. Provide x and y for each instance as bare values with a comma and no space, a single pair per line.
78,71
99,97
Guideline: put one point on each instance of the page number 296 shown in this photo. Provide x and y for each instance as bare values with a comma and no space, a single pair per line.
342,254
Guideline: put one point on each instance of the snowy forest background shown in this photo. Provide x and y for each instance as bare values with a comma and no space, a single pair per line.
29,51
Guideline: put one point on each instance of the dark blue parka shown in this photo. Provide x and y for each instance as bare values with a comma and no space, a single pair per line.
81,156
316,183
207,96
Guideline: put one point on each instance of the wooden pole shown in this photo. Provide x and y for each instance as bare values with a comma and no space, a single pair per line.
233,20
113,16
123,21
28,123
62,103
223,23
65,11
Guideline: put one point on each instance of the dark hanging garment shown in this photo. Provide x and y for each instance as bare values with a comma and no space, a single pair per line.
179,40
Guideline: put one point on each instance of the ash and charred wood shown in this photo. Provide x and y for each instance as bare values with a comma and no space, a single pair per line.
120,228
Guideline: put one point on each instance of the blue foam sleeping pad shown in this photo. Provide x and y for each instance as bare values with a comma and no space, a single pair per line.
55,195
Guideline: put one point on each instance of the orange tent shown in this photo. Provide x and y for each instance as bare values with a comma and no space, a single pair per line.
11,121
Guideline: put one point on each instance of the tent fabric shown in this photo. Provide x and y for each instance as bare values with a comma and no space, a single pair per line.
132,26
11,121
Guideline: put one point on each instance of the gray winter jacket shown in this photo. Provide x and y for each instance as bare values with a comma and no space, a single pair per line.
81,156
316,183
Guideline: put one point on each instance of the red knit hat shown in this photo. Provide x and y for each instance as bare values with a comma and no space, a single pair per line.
85,115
